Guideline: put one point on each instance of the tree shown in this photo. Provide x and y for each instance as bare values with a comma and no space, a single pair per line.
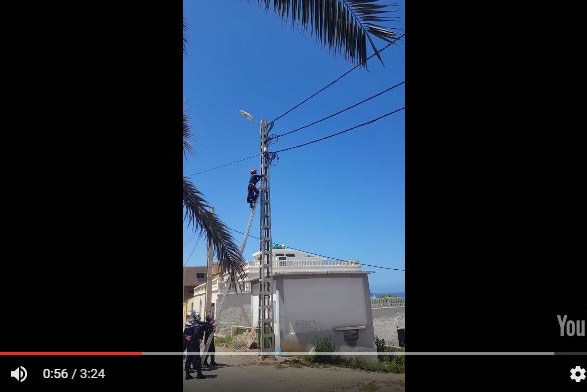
204,221
341,25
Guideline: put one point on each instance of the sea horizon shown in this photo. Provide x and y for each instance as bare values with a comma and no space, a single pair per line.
388,293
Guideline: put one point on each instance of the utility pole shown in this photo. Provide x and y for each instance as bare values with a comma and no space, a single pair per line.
209,272
266,288
185,304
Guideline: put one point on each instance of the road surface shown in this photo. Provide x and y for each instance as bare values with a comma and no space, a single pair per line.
243,374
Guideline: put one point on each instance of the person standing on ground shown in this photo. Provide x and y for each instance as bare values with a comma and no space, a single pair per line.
193,334
209,334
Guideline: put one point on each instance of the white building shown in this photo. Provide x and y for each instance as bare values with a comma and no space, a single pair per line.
314,297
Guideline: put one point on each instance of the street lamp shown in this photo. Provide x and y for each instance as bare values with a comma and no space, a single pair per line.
246,115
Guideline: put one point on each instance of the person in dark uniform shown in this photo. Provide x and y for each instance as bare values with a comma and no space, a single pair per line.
192,335
253,192
209,334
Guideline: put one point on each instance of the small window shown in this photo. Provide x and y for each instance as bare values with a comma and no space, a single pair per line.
200,275
279,254
291,255
282,258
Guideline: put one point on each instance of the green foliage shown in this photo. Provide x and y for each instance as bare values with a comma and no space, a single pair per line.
324,345
396,363
239,330
222,341
386,363
380,344
391,363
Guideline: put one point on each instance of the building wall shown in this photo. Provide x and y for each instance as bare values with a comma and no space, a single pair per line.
191,280
386,321
235,311
316,305
200,302
312,306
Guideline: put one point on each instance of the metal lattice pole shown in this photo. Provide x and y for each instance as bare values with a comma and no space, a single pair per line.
266,289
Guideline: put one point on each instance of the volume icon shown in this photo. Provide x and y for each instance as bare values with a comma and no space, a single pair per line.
19,374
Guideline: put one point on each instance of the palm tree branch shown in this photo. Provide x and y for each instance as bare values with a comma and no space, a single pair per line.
200,216
187,146
185,40
342,25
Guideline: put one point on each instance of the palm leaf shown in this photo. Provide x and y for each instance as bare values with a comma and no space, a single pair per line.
204,221
344,26
185,29
187,146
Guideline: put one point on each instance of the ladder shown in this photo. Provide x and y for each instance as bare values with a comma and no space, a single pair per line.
227,286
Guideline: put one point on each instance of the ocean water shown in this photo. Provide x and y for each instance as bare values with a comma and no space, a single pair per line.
391,294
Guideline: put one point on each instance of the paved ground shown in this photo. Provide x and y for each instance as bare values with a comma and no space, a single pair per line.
243,374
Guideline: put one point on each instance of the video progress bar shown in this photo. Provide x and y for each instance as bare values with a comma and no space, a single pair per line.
70,353
387,353
278,353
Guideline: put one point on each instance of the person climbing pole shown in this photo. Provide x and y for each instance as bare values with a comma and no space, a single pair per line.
253,192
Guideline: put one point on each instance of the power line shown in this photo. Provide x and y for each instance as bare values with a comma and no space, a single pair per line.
226,164
304,101
341,111
336,80
326,257
190,241
334,258
195,246
341,132
305,144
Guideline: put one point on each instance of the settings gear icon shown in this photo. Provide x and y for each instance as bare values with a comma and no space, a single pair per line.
578,374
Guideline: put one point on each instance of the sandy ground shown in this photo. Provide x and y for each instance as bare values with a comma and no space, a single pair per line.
244,374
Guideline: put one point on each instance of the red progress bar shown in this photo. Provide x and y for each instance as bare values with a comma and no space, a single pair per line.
70,353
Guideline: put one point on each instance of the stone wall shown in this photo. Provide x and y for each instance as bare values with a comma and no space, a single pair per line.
235,311
388,316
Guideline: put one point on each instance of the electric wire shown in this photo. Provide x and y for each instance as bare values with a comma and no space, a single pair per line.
339,112
334,81
341,132
326,257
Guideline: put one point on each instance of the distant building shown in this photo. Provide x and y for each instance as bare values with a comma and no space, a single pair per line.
192,277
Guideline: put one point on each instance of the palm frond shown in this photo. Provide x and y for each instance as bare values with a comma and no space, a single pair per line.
200,216
187,146
204,221
344,26
185,29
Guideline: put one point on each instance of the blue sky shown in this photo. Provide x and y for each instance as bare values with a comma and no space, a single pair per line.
342,197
